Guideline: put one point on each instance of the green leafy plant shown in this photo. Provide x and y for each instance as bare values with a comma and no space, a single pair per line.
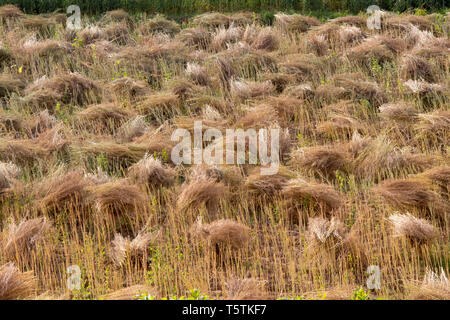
360,294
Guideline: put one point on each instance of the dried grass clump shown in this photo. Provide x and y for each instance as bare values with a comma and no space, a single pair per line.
252,62
199,192
10,11
264,39
301,65
15,284
329,31
287,107
20,151
379,158
407,193
358,87
38,23
129,87
118,197
357,21
330,93
421,87
244,18
28,150
21,238
8,172
159,24
341,109
226,70
111,150
322,159
267,185
245,289
130,293
155,141
398,111
67,88
403,22
223,37
323,232
300,192
261,116
211,20
438,175
120,16
223,232
197,73
118,249
39,123
43,49
351,35
161,100
151,172
338,125
102,50
123,248
118,33
358,143
10,84
65,189
199,38
417,68
207,172
318,44
295,22
241,89
221,105
433,287
90,34
210,118
381,48
414,228
132,129
98,177
51,140
60,18
184,88
436,121
145,57
104,115
428,47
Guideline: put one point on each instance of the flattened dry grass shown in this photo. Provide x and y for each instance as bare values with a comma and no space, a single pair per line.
87,177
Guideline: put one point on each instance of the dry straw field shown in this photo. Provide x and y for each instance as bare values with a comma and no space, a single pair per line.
86,176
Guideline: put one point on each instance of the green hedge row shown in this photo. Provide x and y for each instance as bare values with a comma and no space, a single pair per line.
182,7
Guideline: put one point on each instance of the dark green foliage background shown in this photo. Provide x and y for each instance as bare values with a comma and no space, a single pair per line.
182,7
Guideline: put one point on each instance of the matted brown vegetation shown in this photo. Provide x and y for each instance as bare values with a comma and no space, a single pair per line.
412,227
15,284
409,193
55,192
323,160
434,286
200,192
87,176
124,248
117,197
151,172
222,232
